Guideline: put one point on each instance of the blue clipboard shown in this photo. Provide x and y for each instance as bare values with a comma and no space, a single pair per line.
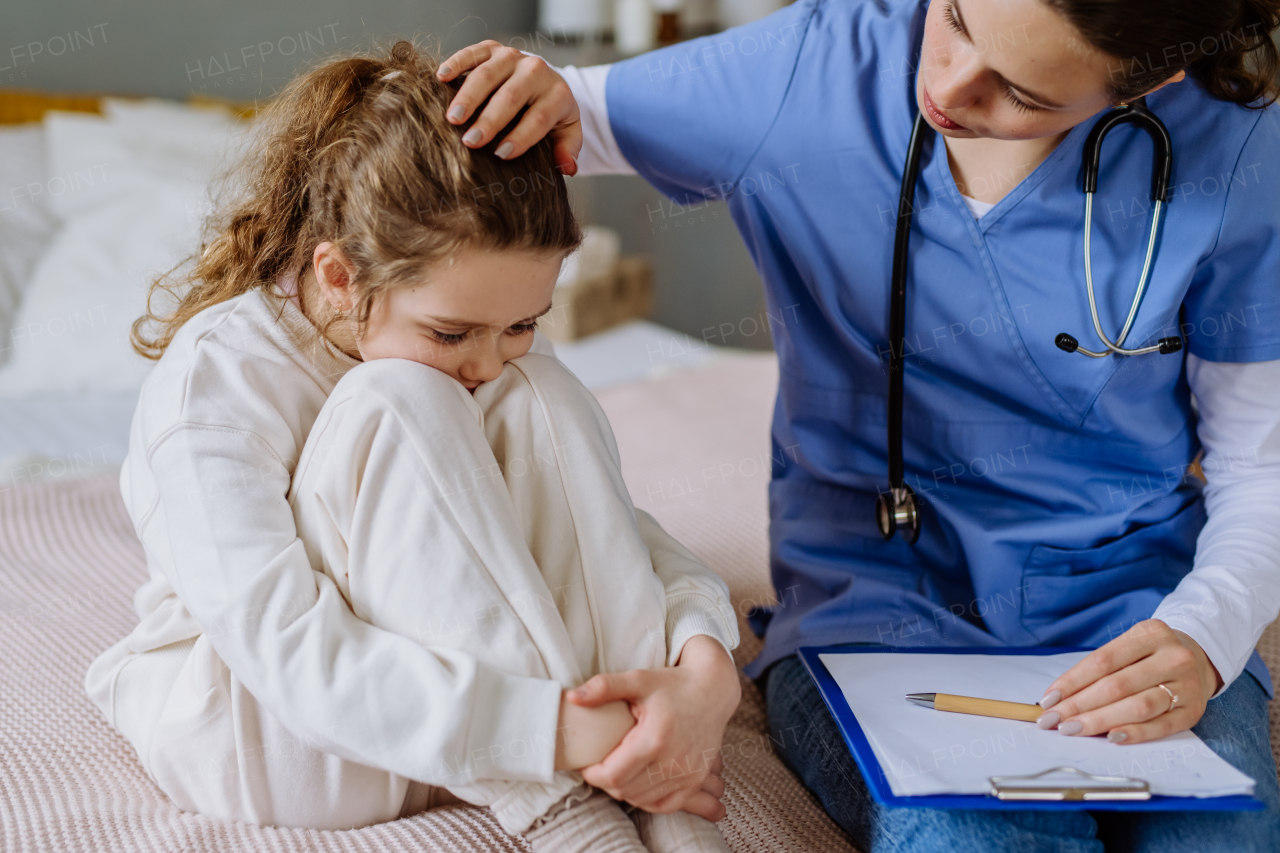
878,783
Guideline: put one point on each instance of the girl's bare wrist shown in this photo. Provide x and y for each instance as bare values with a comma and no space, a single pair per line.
584,736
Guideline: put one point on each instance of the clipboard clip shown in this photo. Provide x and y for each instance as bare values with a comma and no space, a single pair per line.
1066,784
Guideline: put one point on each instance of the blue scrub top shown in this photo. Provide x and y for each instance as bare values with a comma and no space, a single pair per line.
1057,509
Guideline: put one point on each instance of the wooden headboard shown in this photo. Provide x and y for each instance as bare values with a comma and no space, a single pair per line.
19,106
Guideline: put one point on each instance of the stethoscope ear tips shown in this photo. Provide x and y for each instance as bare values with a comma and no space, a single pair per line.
1066,343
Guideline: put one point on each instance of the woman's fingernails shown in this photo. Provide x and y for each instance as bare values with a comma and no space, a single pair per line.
457,111
473,136
1117,737
444,71
1049,720
1050,699
504,150
1071,727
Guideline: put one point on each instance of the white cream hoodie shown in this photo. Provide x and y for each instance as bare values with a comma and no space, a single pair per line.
219,427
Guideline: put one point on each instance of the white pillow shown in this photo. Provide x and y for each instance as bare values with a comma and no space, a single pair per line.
138,196
26,225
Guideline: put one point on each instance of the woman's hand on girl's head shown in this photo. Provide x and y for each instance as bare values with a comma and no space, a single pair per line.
514,79
671,760
1115,690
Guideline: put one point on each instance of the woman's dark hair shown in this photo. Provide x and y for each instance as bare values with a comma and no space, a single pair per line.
1225,44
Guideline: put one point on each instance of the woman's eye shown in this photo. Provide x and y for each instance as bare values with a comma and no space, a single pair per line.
446,338
1019,104
950,14
523,328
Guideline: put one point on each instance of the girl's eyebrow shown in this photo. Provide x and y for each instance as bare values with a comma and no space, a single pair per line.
468,324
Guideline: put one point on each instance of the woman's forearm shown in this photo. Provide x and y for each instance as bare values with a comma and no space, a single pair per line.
600,153
1233,591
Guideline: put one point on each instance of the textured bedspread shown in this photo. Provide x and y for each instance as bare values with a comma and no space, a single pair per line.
695,453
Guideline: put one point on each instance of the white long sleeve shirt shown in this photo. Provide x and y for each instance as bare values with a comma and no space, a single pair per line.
1233,590
219,428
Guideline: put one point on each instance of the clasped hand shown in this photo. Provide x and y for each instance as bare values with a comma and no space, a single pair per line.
674,718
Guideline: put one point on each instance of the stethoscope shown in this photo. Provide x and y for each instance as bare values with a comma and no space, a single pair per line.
898,507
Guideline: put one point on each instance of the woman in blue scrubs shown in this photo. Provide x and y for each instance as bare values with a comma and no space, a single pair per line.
1058,503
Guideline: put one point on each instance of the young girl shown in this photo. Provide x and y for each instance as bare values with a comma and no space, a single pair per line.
386,530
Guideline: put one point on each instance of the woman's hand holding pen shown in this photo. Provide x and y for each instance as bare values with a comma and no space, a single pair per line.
1116,689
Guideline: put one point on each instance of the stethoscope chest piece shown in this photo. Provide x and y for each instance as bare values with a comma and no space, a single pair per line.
896,510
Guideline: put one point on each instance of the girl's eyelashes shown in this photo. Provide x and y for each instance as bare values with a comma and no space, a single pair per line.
446,338
515,330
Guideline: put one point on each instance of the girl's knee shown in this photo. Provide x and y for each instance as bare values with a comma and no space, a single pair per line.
398,379
419,397
548,375
409,399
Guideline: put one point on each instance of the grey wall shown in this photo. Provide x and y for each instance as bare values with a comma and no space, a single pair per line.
233,48
705,283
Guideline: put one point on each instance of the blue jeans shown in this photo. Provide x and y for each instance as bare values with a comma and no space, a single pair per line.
1234,726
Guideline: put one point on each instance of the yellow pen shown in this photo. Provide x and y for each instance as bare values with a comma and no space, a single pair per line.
979,707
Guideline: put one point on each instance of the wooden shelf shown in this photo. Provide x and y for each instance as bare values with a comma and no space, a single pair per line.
595,304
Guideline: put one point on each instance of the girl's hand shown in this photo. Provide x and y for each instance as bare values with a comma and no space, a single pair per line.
1114,690
587,735
516,80
671,760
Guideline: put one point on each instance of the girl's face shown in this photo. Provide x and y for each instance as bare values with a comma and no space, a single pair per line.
468,316
1008,69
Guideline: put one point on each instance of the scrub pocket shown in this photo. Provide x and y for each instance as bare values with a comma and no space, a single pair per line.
1089,596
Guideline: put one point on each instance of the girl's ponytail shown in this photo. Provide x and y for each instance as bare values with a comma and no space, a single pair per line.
259,238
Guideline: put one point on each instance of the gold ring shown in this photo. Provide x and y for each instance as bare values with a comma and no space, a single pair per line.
1173,697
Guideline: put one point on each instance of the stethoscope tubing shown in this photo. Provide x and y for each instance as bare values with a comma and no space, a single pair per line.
1117,347
1161,171
898,509
898,297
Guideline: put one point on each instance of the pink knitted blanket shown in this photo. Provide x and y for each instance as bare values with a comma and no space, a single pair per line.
695,453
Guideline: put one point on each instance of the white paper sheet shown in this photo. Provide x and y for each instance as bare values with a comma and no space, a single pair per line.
924,751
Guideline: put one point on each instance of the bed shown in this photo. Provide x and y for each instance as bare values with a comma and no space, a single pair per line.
692,427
